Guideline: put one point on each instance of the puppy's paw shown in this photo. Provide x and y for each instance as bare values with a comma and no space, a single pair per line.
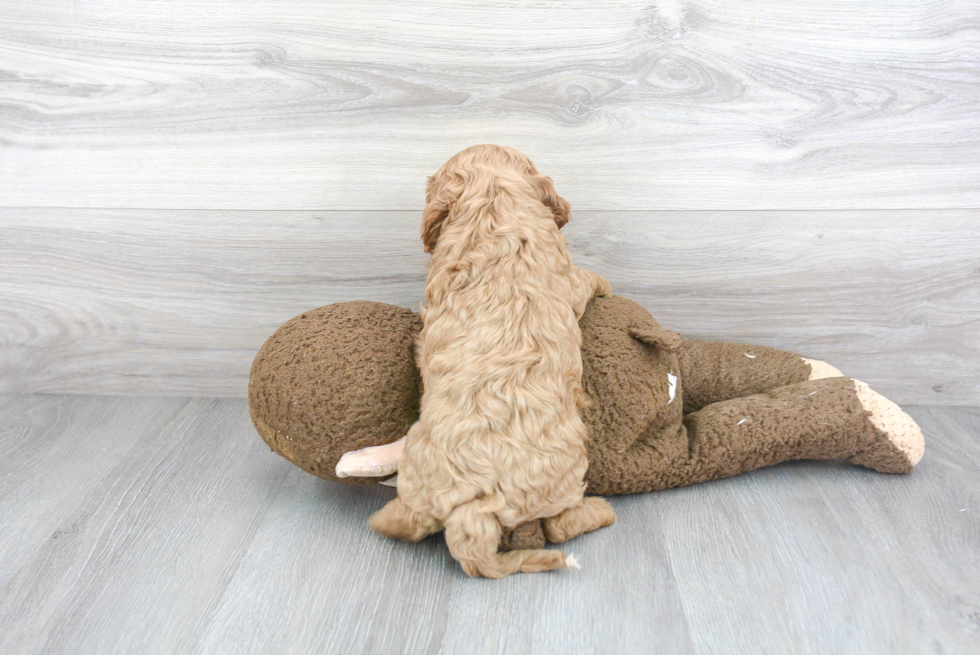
593,513
398,521
602,288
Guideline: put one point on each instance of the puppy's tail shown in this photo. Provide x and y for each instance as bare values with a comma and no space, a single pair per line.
473,536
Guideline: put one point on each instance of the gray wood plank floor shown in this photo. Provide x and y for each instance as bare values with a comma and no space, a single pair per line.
164,525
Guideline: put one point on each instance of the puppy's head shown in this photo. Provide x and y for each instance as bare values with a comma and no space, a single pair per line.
472,172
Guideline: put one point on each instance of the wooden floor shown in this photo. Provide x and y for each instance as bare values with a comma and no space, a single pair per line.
152,525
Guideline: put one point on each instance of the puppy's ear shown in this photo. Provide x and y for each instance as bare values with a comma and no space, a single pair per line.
559,207
443,190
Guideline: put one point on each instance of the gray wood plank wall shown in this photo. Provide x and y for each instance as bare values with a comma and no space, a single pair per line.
177,179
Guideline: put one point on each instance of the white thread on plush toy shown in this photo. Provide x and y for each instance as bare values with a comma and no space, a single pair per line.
671,387
742,421
750,355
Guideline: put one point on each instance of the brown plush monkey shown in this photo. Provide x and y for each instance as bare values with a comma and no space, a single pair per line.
336,388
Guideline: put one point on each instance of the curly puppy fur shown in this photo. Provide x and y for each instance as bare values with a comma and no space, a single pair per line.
499,440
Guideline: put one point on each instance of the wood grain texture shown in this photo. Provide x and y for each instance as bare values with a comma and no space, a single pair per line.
851,562
177,303
138,557
629,104
52,451
189,536
375,595
891,298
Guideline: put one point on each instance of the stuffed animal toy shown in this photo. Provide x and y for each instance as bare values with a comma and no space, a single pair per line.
335,389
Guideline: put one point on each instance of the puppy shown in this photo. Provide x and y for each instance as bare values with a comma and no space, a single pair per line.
499,440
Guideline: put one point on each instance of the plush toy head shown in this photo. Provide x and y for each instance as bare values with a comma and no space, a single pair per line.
334,379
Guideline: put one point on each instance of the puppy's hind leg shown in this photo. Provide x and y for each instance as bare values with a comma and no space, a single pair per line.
398,520
473,536
591,514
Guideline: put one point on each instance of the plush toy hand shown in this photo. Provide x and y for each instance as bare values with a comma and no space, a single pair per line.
372,462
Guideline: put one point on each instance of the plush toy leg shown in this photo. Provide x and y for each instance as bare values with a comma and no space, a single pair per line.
593,513
899,444
713,371
473,536
832,418
820,419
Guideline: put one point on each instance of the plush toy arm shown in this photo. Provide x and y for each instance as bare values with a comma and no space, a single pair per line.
713,371
373,462
832,418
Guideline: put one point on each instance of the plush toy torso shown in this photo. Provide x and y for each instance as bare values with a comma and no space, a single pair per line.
635,391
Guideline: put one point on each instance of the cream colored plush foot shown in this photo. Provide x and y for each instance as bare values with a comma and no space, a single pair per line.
904,444
820,370
373,462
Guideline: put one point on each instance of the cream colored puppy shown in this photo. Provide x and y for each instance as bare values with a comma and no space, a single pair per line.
499,440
